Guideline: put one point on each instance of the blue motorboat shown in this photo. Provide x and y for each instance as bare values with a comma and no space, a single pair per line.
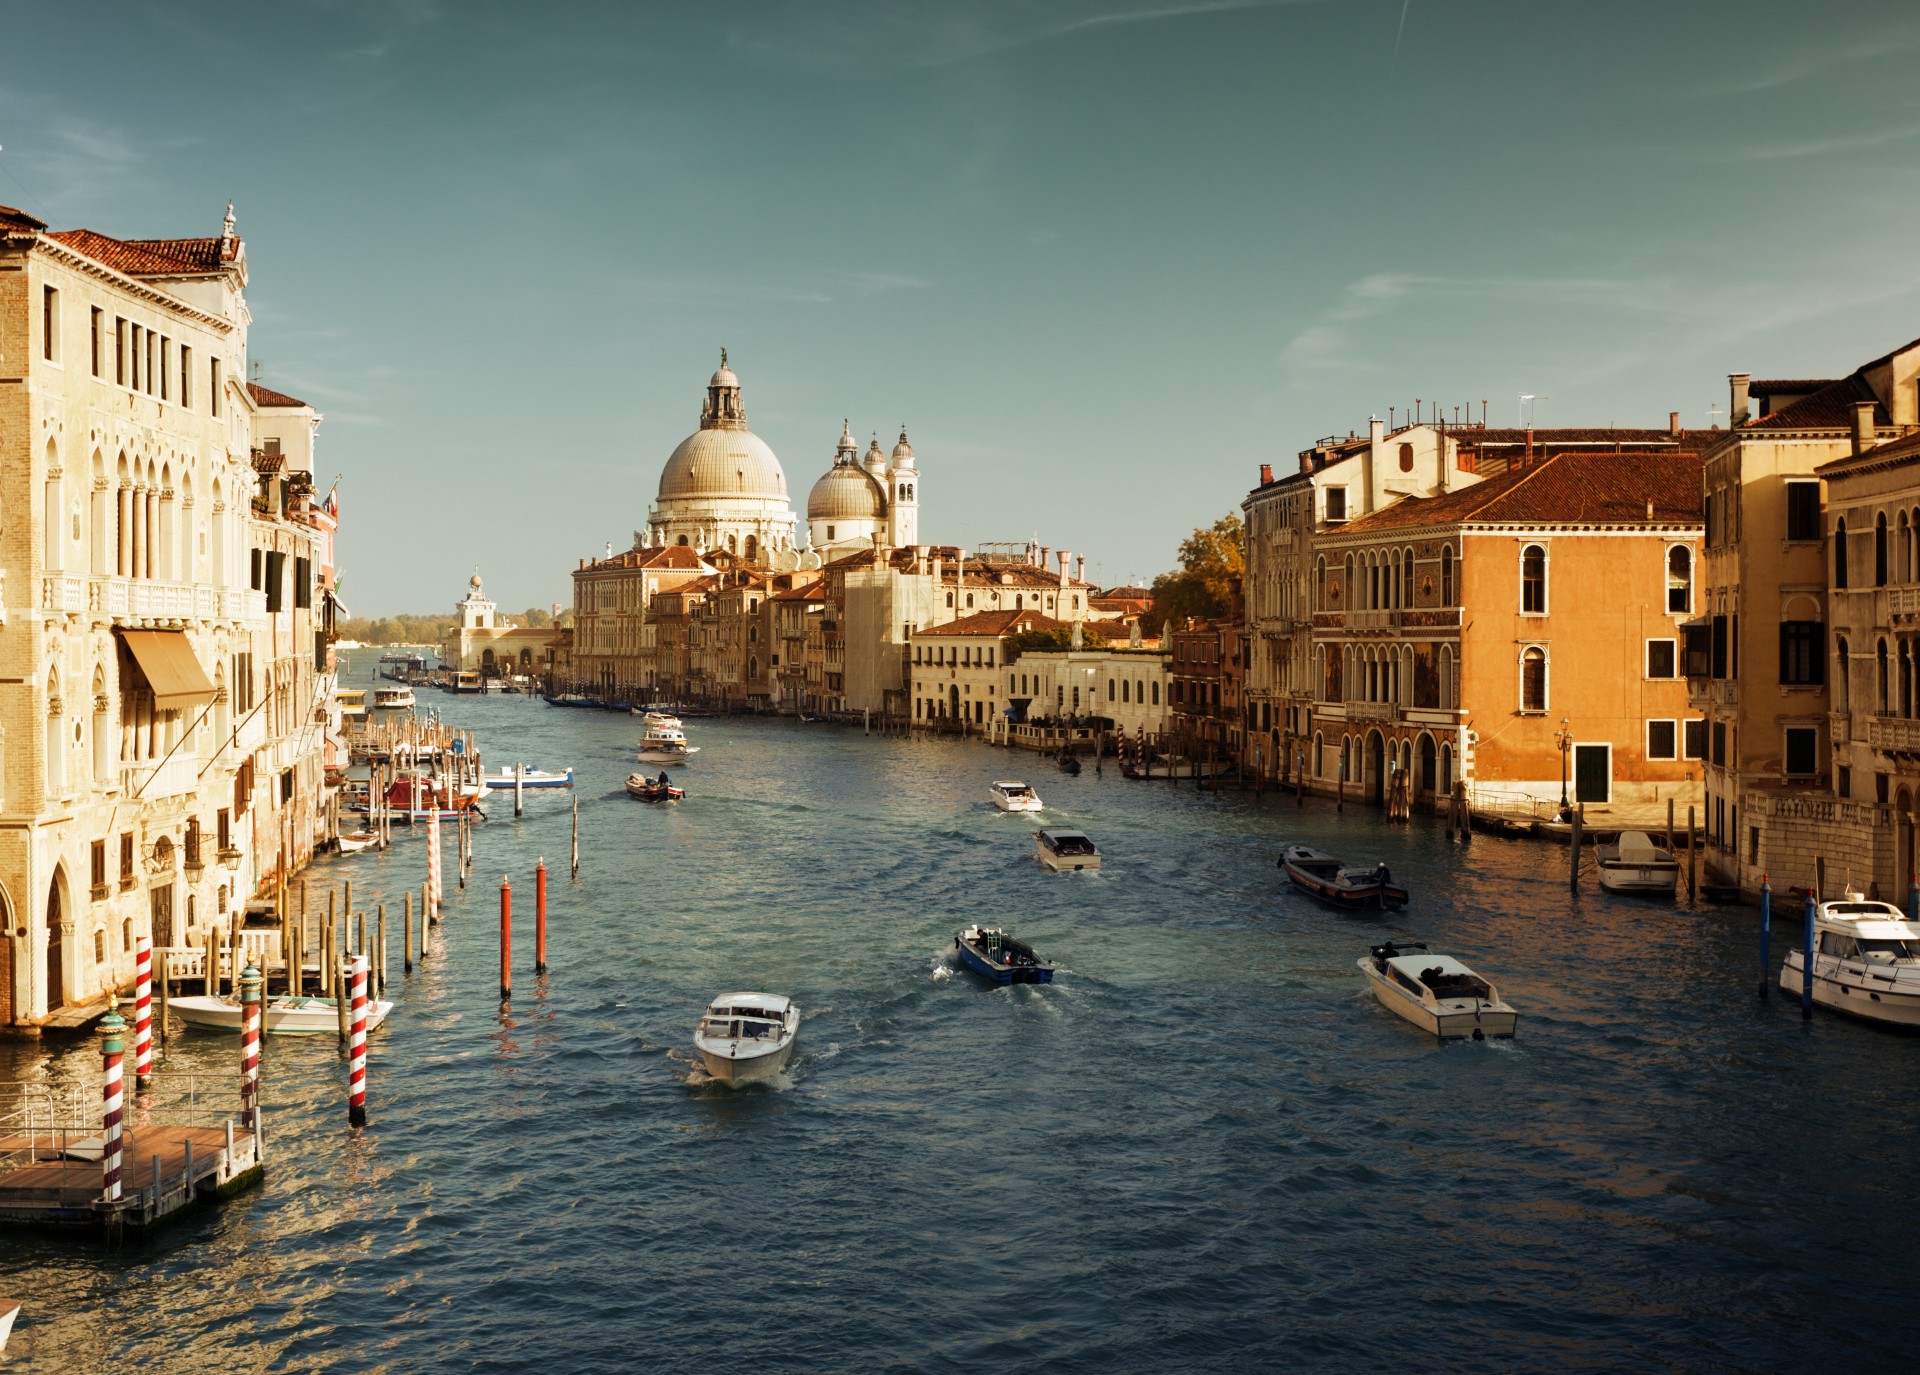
994,955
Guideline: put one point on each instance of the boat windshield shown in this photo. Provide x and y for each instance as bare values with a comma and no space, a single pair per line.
1071,845
1887,951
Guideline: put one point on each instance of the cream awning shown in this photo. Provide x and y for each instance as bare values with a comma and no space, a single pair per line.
172,670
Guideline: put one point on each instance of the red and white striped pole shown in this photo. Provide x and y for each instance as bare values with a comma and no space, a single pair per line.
250,982
113,1041
357,1047
142,1011
432,912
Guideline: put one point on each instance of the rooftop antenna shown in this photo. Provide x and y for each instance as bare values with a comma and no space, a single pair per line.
1483,413
1416,410
1527,399
1390,414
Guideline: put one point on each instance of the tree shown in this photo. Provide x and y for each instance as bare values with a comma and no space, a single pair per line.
1212,561
1059,637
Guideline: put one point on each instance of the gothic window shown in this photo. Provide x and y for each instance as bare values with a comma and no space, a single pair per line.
1679,579
1446,575
1840,552
1533,679
1533,580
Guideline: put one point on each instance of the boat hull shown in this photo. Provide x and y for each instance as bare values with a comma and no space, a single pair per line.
545,780
1853,997
995,972
736,1070
1644,880
1454,1019
281,1016
1381,897
1065,864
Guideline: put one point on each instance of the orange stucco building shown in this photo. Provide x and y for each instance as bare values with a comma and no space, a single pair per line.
1520,636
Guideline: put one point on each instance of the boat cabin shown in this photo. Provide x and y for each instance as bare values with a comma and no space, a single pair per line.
1423,973
745,1017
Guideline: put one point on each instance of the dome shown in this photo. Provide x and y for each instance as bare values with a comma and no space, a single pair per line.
723,378
723,463
844,492
902,450
474,581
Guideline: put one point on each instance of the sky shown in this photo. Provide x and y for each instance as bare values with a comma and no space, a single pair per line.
1103,258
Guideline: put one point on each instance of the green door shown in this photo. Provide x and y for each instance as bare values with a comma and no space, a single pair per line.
1593,773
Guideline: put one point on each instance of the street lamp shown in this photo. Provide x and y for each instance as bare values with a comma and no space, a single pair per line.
1564,737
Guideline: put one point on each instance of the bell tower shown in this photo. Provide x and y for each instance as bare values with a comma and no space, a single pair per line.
903,504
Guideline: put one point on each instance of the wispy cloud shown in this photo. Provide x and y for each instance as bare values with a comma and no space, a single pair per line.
1838,143
1804,59
737,289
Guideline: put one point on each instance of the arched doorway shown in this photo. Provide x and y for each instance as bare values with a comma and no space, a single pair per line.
56,942
1374,764
953,701
1428,775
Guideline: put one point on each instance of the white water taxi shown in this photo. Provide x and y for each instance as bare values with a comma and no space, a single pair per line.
1011,795
747,1037
1062,850
393,698
281,1015
1866,961
1635,864
666,745
353,703
1437,993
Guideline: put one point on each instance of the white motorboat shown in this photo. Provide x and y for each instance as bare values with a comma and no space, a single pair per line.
353,842
393,698
666,745
1866,961
1437,993
1010,795
282,1015
1635,864
9,1310
1062,850
529,778
747,1037
651,718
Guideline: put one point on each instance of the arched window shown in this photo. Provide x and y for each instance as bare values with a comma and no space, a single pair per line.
753,548
1446,770
1156,694
1880,678
1906,680
1109,689
1900,548
56,740
1406,578
1446,575
1319,755
1533,580
1347,593
1320,583
949,599
1406,458
1679,580
1446,678
1880,550
1533,679
1842,673
1840,552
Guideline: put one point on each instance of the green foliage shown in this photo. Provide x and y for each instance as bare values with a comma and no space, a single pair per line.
1058,638
430,630
1212,561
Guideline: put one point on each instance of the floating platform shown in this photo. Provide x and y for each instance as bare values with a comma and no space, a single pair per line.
49,1179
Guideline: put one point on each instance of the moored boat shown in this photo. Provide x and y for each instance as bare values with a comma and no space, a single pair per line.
745,1038
1320,875
1437,993
569,699
529,778
282,1015
1011,795
1635,864
1866,961
353,842
993,954
659,789
651,717
1062,850
353,703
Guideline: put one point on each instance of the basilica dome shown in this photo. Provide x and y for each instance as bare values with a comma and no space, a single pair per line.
845,492
723,463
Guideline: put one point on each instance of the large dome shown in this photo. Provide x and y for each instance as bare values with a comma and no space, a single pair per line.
723,463
845,492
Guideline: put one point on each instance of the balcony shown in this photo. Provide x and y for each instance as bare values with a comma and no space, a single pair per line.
1373,711
1894,734
141,599
1903,603
178,776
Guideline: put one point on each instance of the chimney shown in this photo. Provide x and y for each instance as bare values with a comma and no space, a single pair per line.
1080,568
1737,384
1064,557
1044,551
1266,473
1376,429
1864,430
1673,423
959,578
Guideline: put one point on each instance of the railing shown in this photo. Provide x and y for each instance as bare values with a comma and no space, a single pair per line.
180,774
142,598
1373,711
1893,733
1903,601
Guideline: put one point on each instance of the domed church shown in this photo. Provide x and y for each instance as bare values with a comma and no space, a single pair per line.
859,502
723,488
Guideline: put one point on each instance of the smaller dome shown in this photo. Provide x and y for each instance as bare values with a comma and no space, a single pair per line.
876,461
844,492
724,377
902,449
474,581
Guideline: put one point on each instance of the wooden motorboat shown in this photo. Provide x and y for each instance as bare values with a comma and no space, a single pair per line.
994,955
414,798
1320,875
747,1037
1437,993
283,1015
529,778
1011,795
653,789
1062,850
1635,864
1866,961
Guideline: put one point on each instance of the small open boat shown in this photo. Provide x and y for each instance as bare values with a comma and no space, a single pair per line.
994,955
1634,864
569,699
1068,761
1437,993
9,1310
529,778
282,1015
1320,875
747,1037
353,842
653,789
1062,850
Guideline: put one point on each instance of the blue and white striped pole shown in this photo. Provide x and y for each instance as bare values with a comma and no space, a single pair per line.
1766,932
1806,966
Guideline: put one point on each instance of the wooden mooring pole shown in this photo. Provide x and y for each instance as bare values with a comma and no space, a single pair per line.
1766,933
1693,847
1573,850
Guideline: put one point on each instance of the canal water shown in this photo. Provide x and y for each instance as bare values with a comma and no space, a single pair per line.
1204,1148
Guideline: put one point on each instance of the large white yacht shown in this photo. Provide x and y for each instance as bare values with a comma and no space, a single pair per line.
1866,961
666,745
747,1037
1010,795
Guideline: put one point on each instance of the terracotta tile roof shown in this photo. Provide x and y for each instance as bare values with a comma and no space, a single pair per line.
669,556
1770,385
1593,437
995,623
813,592
1892,453
150,257
267,396
1569,488
1830,408
20,220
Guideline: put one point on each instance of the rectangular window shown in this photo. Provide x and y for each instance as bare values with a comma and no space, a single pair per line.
1842,782
133,356
1803,510
186,377
94,339
1660,658
303,583
1801,744
1803,653
276,579
1694,739
214,403
1720,744
166,366
223,829
1660,739
1699,649
1336,503
49,323
1719,646
99,868
119,351
256,569
152,349
126,859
